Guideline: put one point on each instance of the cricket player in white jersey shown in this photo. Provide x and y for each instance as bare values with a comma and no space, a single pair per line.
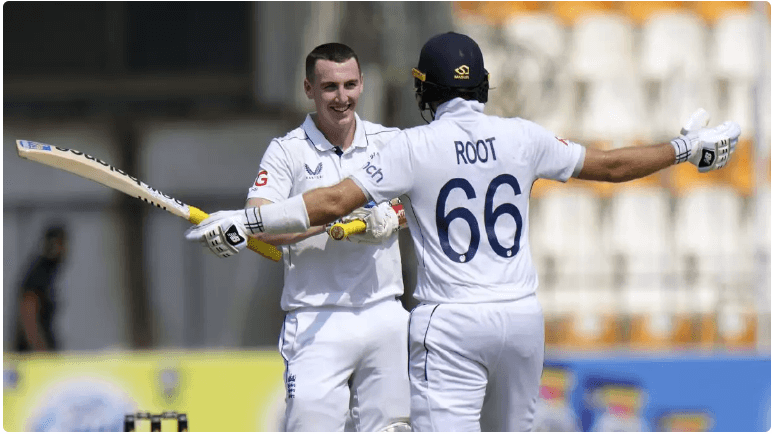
477,338
344,338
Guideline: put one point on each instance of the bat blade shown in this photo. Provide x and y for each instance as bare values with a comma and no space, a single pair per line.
94,169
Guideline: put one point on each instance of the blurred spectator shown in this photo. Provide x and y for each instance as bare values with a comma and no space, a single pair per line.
37,297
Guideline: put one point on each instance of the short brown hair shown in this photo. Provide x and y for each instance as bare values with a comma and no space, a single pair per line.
333,51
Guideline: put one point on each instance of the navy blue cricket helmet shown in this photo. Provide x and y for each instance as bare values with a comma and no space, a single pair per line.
451,64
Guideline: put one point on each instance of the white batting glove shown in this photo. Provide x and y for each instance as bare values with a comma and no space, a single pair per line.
707,148
381,221
225,232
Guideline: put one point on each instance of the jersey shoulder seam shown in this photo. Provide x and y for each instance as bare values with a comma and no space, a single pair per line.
286,138
391,130
378,129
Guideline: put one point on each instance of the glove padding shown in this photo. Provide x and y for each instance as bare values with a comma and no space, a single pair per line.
707,148
381,221
223,232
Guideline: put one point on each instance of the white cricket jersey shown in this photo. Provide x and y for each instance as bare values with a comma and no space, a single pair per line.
468,178
319,271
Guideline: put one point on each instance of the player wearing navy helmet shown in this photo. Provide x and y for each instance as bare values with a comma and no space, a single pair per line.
450,65
476,341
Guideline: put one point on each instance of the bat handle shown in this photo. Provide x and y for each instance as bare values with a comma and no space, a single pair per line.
262,248
339,231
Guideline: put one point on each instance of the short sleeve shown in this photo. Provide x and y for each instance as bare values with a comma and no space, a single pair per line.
554,157
274,177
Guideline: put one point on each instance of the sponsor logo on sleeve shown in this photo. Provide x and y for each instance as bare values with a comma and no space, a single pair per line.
262,178
373,171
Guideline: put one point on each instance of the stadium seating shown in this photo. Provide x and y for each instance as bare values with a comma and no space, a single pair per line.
640,12
534,81
602,47
707,230
672,65
712,11
575,268
736,326
736,61
639,240
569,12
602,65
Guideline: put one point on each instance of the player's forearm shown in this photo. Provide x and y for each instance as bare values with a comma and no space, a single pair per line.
325,205
283,239
302,213
626,164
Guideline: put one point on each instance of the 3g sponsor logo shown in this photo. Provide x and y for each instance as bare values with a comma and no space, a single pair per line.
262,178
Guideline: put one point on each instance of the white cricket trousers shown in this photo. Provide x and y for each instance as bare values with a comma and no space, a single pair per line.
475,367
338,358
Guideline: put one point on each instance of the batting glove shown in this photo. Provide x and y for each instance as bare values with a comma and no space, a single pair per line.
381,221
224,233
707,148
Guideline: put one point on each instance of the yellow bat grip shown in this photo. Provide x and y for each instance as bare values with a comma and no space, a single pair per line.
264,249
339,231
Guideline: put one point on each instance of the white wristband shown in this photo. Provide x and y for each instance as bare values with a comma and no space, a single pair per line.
684,148
285,217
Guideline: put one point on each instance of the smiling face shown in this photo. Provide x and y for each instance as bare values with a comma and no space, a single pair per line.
335,90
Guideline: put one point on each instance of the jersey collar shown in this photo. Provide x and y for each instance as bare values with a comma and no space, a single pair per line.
322,144
458,105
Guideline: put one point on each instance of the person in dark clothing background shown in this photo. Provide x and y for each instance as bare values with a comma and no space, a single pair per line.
37,298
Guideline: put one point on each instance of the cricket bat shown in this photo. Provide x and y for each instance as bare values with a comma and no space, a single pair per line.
340,231
93,168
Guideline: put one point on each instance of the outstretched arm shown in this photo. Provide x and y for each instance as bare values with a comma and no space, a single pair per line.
707,148
626,164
